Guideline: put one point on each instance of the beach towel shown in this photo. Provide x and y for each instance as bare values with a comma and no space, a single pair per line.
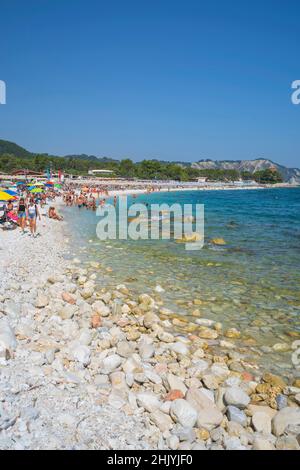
12,216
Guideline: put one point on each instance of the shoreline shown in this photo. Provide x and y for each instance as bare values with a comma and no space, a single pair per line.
92,368
128,191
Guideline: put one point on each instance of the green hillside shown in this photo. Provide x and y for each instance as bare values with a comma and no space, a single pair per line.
13,157
11,148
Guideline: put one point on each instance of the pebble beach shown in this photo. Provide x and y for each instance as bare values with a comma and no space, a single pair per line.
87,367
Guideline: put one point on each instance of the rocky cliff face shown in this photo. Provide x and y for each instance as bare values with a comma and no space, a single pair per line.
291,175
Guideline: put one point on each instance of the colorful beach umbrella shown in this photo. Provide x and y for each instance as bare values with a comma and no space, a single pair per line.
12,193
4,196
36,190
57,186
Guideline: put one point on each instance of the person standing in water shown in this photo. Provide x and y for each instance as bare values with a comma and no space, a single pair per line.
33,213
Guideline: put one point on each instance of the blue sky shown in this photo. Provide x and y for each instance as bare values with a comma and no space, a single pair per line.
174,80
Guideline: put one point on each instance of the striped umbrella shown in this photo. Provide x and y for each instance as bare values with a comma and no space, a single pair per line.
4,196
12,193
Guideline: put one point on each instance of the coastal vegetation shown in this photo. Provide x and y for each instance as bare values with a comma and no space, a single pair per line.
14,157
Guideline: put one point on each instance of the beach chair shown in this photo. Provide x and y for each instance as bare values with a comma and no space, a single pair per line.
7,222
2,213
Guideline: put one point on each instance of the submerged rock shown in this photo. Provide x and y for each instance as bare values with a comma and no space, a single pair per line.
218,241
207,333
232,333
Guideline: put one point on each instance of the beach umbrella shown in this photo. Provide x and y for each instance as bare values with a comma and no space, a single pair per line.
6,190
20,182
36,190
57,186
31,187
12,193
4,196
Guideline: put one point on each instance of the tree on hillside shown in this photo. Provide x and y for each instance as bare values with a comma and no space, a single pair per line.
268,176
126,168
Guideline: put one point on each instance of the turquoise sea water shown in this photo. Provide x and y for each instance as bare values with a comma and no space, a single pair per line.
252,283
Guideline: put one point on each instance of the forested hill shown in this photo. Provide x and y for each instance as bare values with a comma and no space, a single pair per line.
11,148
13,157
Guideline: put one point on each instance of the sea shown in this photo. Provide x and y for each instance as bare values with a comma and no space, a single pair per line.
251,283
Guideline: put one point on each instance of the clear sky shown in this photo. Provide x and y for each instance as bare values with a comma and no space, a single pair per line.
167,79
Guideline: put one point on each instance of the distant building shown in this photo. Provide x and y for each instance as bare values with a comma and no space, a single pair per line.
26,172
202,179
244,183
100,172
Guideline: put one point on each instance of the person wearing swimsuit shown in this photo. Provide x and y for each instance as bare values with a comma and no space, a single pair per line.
22,214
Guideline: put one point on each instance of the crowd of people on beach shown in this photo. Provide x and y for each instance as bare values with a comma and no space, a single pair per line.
27,208
88,197
81,199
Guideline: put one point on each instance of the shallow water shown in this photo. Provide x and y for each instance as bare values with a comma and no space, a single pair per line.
251,283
